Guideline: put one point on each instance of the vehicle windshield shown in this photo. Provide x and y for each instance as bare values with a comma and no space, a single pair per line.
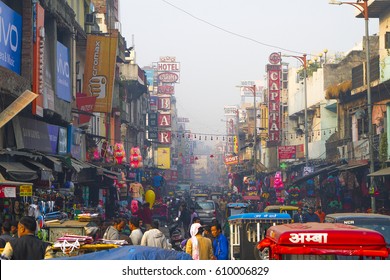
384,229
204,205
236,211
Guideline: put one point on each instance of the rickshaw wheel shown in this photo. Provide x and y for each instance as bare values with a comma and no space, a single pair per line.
261,255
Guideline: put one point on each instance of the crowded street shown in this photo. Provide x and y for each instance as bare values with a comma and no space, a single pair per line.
194,130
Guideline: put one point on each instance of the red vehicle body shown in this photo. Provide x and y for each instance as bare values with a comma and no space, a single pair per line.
322,241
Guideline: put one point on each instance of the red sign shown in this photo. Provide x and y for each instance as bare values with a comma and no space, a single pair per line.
166,89
168,77
287,152
273,102
300,151
164,103
164,120
7,191
164,137
85,104
229,160
274,58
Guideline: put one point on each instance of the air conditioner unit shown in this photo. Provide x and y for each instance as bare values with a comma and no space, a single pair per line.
90,19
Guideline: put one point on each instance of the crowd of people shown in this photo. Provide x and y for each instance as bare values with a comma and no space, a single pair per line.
309,216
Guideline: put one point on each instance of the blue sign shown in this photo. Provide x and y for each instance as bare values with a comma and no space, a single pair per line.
63,73
53,136
10,38
149,76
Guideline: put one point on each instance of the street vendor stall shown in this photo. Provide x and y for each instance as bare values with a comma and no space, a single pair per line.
73,227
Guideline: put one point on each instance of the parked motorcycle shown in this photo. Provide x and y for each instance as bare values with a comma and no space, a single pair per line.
176,236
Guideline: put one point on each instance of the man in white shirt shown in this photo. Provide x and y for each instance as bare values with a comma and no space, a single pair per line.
136,233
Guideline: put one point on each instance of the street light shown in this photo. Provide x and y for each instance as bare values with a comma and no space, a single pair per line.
253,90
363,8
302,59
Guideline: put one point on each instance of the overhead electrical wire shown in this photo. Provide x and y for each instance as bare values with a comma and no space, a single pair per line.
230,32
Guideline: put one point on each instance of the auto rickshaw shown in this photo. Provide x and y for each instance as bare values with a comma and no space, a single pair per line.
289,209
215,195
322,241
247,229
200,197
236,208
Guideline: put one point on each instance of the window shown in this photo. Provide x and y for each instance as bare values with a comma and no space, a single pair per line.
387,40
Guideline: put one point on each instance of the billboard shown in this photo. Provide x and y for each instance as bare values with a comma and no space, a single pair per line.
99,70
63,73
11,38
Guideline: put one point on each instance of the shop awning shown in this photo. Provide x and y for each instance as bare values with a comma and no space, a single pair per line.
57,164
381,172
111,174
313,174
18,171
4,181
346,167
46,172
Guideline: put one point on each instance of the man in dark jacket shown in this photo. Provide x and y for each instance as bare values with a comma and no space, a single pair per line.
27,246
185,219
310,216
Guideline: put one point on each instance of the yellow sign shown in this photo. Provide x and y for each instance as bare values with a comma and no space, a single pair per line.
164,158
99,70
25,190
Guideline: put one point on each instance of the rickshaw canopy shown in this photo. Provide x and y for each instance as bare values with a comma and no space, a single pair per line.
323,239
266,217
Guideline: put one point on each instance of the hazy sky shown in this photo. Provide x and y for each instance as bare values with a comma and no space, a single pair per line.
221,42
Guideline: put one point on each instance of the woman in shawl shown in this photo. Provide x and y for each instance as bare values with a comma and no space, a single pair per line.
199,247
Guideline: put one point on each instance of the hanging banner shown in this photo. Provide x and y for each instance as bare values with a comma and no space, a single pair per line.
99,70
85,104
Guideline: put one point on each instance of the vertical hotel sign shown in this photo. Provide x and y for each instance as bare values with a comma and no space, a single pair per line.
273,75
100,69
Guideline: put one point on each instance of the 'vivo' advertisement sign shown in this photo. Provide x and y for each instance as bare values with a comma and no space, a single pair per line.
63,73
10,38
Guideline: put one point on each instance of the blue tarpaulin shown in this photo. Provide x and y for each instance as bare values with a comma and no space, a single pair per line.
132,253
